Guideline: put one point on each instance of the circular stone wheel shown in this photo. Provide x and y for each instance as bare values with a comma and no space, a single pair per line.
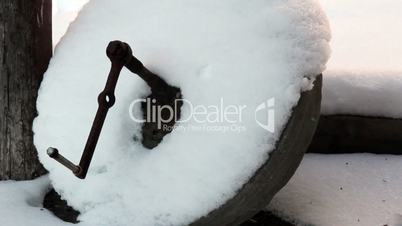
279,168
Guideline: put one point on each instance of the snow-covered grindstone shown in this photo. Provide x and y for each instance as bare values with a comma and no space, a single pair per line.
253,55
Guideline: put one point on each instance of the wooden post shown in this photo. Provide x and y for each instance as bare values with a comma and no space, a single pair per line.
25,51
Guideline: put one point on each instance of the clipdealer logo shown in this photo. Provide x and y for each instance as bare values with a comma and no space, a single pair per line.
219,115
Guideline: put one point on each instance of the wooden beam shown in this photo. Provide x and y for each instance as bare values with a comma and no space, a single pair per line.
25,51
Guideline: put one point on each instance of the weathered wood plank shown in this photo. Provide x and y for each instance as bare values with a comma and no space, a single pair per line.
341,134
25,50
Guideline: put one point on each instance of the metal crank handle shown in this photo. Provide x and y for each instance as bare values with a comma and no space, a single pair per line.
54,153
120,55
106,99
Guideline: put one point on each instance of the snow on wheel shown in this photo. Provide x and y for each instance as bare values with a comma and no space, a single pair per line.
241,67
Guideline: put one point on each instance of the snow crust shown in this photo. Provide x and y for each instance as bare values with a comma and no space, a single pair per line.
364,74
244,52
333,190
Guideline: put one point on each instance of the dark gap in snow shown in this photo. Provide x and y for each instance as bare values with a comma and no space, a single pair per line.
265,218
161,111
60,208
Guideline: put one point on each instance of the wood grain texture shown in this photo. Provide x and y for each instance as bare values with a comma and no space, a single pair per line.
25,51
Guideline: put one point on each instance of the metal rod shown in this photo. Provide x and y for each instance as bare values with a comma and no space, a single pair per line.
106,100
154,81
120,55
54,153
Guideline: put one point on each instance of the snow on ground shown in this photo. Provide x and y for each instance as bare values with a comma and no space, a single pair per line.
21,204
364,74
327,190
347,190
211,50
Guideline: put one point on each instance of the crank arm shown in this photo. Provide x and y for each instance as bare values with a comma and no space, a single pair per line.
120,55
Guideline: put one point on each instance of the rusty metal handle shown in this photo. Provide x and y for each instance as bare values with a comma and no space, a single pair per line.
120,55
